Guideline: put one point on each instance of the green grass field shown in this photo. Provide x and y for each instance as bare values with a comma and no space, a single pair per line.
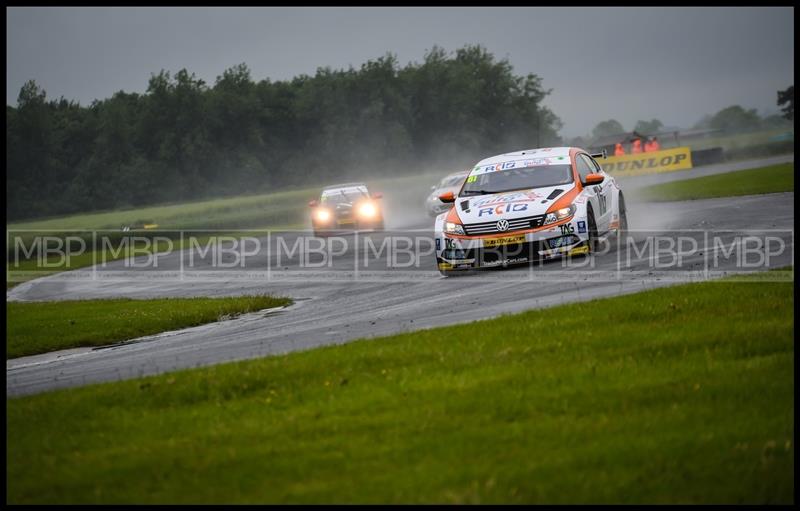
39,327
771,179
654,397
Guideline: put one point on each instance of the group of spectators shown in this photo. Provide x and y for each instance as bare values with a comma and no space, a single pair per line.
636,146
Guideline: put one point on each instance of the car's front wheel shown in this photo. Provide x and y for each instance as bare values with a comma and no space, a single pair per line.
592,242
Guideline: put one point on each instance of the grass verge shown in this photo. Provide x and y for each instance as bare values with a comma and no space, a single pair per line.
771,179
652,397
40,327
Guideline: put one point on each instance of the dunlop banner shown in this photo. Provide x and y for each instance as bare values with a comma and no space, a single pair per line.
679,158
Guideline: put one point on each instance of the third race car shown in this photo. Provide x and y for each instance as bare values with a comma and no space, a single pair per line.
450,183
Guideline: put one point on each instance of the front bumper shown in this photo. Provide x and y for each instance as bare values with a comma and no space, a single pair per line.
460,253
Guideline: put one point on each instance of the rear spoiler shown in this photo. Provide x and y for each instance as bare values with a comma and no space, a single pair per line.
599,155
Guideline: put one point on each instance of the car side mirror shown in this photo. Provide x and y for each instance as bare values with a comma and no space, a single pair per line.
447,197
594,179
313,204
377,195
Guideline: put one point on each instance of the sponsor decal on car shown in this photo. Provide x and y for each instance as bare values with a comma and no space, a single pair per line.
579,250
503,208
455,265
507,197
562,241
527,162
512,260
538,162
505,240
581,226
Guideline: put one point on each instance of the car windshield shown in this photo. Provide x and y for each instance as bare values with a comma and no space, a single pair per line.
517,179
342,197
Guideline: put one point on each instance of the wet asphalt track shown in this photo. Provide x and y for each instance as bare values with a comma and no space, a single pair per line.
362,296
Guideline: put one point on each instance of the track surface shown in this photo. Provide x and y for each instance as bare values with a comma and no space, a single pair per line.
337,306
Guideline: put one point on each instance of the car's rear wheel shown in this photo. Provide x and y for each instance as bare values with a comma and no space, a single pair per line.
622,230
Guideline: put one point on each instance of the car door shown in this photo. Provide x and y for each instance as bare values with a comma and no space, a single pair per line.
599,195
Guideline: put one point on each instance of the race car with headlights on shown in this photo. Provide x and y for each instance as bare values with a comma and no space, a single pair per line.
346,206
450,183
528,206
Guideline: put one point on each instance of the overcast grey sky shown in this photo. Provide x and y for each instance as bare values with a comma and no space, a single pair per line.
674,64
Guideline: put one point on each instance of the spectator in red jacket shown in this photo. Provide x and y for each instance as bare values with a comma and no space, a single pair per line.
652,145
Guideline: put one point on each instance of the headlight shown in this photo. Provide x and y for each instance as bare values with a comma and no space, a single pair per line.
323,215
560,214
453,228
367,209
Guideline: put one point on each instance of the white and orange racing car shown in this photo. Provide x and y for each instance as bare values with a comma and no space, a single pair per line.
526,206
